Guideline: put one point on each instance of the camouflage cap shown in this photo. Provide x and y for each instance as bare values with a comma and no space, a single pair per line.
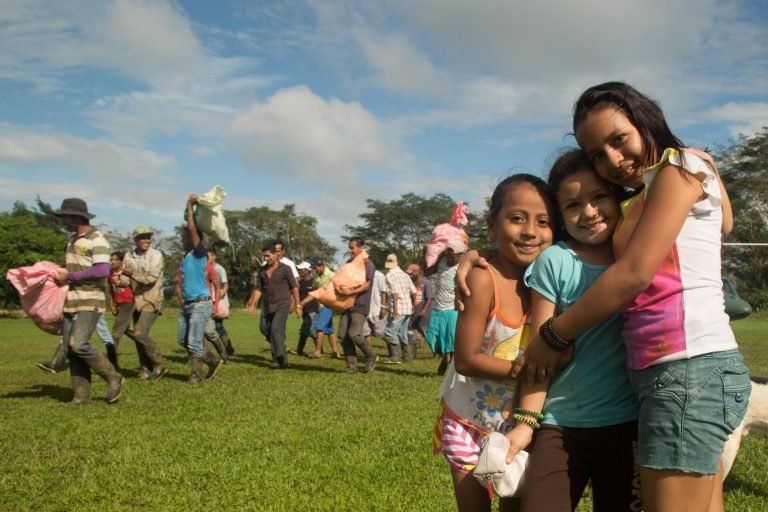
142,231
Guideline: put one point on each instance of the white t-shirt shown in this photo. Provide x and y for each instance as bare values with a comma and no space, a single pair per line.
445,289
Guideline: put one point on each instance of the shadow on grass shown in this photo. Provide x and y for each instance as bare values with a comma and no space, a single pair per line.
60,393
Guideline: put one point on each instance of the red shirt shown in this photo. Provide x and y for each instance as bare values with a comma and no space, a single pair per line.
121,294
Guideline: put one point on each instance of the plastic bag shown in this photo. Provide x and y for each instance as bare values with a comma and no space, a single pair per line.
506,480
208,214
350,275
41,298
222,310
443,233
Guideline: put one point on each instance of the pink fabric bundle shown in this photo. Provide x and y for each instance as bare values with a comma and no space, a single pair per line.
41,298
222,311
350,275
443,233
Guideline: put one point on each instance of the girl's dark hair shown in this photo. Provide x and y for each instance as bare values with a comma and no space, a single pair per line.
644,113
569,162
120,254
497,199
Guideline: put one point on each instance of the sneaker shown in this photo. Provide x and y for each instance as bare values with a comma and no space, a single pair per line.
370,364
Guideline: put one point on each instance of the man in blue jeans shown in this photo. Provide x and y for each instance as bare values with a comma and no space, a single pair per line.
197,305
275,282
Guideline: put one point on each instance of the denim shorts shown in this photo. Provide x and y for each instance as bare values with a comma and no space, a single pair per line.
687,410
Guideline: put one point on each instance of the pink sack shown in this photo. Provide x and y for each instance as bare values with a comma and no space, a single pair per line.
41,298
350,275
222,311
443,233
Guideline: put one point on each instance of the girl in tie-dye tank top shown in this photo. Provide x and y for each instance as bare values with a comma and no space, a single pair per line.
478,396
684,363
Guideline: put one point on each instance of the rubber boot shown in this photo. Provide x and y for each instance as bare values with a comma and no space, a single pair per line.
351,364
196,377
414,341
114,380
82,389
228,344
213,362
112,356
58,360
408,352
394,357
219,346
370,355
158,364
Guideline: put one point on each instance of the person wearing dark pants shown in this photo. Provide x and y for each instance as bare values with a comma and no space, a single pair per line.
352,321
275,282
144,265
308,309
87,269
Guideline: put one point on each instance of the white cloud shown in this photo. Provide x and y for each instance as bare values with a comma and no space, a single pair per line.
742,118
300,135
101,158
400,65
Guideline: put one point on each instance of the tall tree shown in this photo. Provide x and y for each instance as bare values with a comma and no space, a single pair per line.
402,226
250,229
744,168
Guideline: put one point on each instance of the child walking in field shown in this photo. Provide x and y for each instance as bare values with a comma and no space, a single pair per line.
477,395
685,367
589,421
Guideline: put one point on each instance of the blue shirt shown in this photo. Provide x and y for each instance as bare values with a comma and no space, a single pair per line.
193,281
593,390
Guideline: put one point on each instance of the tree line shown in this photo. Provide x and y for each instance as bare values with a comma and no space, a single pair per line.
400,226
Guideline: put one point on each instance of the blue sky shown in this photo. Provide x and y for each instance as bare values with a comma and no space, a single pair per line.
133,104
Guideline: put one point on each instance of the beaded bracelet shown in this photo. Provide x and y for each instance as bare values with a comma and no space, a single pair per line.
526,421
553,339
527,412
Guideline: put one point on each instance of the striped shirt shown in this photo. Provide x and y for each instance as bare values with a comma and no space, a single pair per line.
83,252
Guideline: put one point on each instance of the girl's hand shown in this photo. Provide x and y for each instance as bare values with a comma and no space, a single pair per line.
540,360
519,438
469,260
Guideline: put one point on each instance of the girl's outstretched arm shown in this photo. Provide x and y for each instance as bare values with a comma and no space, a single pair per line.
670,197
470,360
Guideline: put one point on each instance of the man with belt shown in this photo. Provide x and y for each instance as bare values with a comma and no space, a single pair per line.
195,298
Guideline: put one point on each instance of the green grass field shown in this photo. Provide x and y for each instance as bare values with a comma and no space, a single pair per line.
304,439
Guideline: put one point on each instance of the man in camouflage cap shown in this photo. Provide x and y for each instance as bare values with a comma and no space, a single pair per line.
144,265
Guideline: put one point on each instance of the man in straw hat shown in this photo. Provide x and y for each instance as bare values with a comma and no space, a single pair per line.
87,269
